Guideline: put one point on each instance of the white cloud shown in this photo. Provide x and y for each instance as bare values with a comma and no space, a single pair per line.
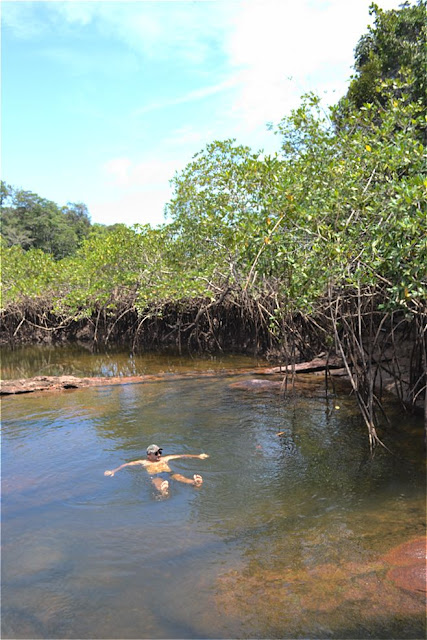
118,168
279,46
146,175
134,207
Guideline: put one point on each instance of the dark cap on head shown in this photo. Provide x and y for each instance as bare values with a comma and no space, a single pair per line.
153,448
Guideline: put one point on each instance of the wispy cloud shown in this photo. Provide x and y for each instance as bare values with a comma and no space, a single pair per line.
154,28
190,96
18,18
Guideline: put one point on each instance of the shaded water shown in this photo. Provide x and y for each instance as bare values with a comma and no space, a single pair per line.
283,540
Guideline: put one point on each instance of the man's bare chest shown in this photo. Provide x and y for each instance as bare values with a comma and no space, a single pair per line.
157,467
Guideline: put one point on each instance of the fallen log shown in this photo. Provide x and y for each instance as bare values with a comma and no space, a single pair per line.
313,366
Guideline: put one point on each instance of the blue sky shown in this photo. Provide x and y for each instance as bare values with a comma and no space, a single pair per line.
103,101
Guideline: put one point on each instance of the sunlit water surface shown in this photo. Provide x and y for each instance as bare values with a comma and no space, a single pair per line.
283,540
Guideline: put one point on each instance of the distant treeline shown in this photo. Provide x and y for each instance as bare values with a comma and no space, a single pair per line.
319,247
32,222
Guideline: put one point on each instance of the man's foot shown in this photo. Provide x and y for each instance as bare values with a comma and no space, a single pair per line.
164,488
197,480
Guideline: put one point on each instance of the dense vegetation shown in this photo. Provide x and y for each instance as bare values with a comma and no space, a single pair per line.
321,247
394,44
32,222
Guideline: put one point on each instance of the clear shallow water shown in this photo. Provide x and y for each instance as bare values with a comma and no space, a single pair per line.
283,540
76,360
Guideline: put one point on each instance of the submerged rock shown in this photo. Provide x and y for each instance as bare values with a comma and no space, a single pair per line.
57,383
409,565
411,552
256,385
412,578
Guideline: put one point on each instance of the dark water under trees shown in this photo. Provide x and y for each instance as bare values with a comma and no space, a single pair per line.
283,540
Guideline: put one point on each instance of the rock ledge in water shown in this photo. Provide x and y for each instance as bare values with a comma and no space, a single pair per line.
57,383
408,562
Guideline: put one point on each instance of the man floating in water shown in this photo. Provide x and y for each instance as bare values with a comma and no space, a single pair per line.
158,467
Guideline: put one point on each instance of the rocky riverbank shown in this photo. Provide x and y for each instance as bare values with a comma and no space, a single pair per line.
60,383
265,378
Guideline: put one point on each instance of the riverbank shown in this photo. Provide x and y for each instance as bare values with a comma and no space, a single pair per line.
279,377
58,383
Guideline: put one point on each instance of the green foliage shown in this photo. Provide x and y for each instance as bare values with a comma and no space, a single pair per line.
29,221
394,46
132,267
209,201
223,209
26,274
339,207
359,200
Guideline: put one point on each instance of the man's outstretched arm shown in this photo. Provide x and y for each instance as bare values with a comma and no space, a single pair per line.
122,466
201,456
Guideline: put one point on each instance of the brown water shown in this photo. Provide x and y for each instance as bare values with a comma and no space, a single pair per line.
284,539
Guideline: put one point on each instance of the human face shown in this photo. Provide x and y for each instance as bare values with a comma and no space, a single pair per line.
155,456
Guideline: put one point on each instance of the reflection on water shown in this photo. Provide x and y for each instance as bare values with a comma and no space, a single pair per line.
78,360
285,539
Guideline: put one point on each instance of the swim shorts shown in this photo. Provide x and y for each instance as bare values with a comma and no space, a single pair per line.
164,475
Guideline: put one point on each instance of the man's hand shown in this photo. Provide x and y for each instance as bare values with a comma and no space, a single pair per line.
108,473
202,456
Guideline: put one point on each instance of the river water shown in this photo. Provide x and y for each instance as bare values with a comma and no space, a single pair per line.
284,539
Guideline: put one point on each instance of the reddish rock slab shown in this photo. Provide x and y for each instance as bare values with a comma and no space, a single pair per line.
58,383
411,552
412,578
409,565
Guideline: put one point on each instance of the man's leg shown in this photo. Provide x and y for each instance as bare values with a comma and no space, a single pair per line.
161,485
196,480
